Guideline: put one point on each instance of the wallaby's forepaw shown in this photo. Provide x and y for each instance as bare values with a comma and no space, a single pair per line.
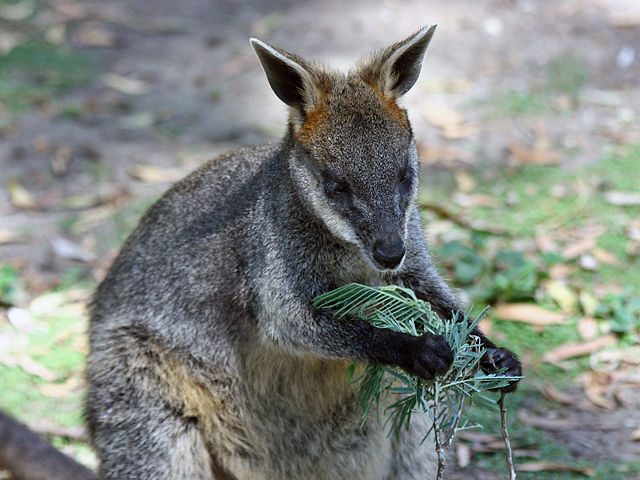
427,356
496,359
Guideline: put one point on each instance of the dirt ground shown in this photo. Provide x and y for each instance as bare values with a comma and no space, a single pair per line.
197,90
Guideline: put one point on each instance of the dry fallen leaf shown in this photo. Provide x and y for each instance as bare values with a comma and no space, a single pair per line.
61,390
456,131
623,199
48,302
574,250
477,437
126,85
8,40
589,303
93,34
596,389
587,327
92,218
561,271
41,144
465,182
474,200
449,121
20,196
562,295
28,364
633,248
8,236
635,435
64,248
138,120
17,11
604,256
556,467
441,116
539,154
558,395
633,229
528,313
550,424
577,349
21,319
440,85
152,174
463,454
486,326
545,243
443,154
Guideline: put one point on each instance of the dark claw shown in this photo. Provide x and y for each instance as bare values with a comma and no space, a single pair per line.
496,359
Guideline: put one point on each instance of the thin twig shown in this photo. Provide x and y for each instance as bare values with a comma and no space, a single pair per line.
442,461
447,215
456,423
505,436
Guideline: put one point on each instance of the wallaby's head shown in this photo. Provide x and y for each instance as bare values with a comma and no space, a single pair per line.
353,159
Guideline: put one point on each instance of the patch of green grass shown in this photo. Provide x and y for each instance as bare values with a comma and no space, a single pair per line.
565,75
519,103
22,399
54,341
548,450
35,71
10,285
71,111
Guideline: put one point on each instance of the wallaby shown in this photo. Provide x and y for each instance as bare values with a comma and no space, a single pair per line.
208,359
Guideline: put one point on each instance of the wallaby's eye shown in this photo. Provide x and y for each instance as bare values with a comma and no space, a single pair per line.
337,189
405,173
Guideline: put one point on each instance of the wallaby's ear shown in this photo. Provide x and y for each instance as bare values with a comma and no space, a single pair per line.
289,77
397,68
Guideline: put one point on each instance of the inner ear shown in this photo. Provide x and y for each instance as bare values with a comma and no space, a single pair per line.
406,68
396,69
288,77
285,81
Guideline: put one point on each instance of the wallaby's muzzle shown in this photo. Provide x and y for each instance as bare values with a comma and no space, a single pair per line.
389,253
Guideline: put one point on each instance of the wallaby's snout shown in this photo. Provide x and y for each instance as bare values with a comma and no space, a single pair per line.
389,252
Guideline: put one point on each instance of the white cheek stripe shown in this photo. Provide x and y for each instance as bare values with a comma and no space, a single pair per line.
336,224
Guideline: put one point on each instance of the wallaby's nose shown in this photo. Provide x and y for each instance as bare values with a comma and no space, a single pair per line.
389,254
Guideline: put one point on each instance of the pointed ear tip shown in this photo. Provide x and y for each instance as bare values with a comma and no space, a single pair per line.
257,43
429,28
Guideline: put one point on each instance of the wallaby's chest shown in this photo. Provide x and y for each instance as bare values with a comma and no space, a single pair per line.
303,410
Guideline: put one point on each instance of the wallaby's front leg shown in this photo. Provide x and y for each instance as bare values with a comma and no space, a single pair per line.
424,356
419,274
320,332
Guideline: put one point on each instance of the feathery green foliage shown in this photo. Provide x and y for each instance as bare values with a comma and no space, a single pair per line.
444,399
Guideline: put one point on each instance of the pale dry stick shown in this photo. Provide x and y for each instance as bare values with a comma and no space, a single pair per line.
442,461
505,436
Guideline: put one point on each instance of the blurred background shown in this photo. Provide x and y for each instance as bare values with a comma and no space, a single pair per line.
526,116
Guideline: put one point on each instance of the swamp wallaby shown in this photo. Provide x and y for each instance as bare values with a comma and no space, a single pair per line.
208,359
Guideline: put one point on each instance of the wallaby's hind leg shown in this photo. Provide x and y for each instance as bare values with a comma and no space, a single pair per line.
156,446
136,432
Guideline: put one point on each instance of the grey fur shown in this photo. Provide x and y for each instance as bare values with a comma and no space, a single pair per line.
207,358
